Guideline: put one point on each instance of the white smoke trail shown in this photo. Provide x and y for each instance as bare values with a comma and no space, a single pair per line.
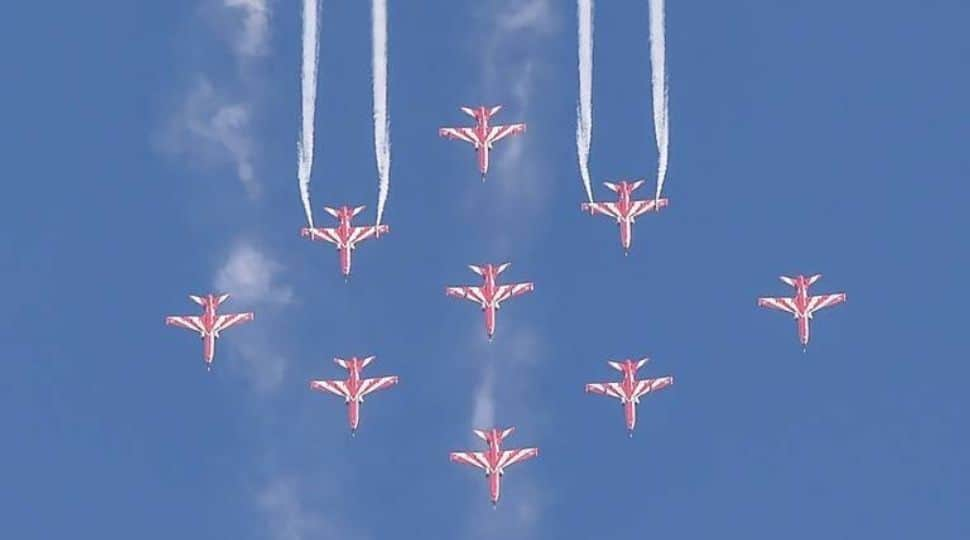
584,112
382,128
658,64
311,53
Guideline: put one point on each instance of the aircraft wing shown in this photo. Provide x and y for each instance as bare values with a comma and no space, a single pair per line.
191,322
359,234
611,389
321,233
650,385
461,133
816,303
511,457
783,304
642,207
373,385
475,459
497,133
504,292
231,319
334,387
605,208
470,293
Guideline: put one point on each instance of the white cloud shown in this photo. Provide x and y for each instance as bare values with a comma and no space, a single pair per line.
290,515
253,280
210,128
252,277
532,15
286,516
252,36
483,411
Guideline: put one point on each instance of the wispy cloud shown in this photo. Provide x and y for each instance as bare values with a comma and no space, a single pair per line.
212,123
252,33
513,64
512,59
211,129
483,410
254,281
253,277
290,517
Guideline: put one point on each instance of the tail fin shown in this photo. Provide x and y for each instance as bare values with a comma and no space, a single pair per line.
501,268
789,280
611,186
469,111
812,279
332,211
358,210
615,365
342,363
477,269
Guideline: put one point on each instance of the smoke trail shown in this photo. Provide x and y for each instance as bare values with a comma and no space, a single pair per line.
658,64
584,112
311,53
382,128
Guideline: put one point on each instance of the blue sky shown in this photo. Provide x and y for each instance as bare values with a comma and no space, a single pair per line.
150,153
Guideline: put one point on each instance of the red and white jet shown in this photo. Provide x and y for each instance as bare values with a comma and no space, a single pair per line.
490,295
629,390
209,324
345,235
802,306
494,460
624,210
353,389
483,135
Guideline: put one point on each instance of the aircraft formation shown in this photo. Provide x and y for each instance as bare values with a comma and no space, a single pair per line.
489,295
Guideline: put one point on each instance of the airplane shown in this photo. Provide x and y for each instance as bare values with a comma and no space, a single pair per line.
490,295
353,389
345,236
629,390
483,135
624,210
802,306
494,460
209,324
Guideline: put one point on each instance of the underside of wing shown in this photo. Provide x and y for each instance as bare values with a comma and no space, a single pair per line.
373,385
232,319
470,293
325,234
190,322
461,133
646,386
610,389
604,208
475,459
516,455
359,234
783,304
816,303
334,387
642,207
504,292
497,133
